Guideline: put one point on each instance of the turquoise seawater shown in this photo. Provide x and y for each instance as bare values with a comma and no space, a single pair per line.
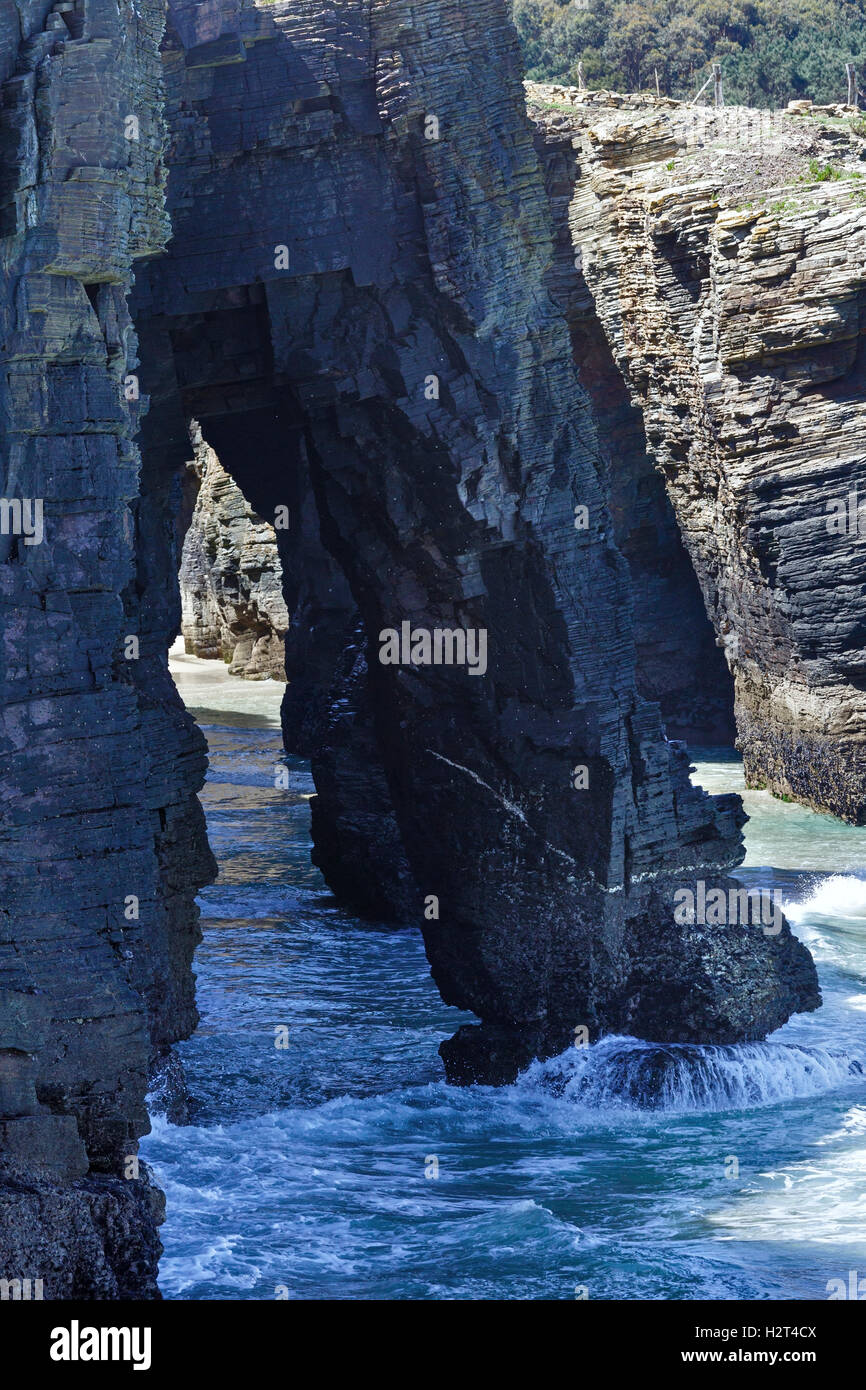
342,1167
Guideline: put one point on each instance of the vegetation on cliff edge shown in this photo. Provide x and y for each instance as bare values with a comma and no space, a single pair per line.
770,51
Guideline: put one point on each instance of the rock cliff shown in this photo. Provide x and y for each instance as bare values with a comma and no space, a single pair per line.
356,303
232,605
724,255
102,844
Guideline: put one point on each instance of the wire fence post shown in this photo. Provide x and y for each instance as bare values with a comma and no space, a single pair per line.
717,84
699,94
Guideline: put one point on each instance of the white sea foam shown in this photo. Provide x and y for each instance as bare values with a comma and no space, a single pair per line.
840,895
307,1169
623,1073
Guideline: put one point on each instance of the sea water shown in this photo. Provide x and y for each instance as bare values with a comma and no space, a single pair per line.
328,1159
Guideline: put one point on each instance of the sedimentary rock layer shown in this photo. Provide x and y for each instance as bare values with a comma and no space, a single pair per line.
356,304
232,605
679,664
724,254
101,841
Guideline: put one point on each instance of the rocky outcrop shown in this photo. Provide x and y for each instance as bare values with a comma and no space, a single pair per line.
232,606
356,295
354,303
725,257
679,664
102,845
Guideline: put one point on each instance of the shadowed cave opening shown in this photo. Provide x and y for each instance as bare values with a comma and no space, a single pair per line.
229,397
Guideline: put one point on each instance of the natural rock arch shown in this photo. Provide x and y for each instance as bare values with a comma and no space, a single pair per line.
366,336
408,258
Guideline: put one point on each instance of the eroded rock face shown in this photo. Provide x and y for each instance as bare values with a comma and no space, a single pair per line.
355,302
102,845
729,279
679,664
357,841
232,606
335,257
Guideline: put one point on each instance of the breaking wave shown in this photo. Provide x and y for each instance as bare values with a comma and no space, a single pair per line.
624,1073
839,895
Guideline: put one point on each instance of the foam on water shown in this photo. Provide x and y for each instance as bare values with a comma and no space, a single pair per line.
838,895
624,1073
310,1170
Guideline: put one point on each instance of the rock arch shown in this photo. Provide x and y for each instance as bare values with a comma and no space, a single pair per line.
326,259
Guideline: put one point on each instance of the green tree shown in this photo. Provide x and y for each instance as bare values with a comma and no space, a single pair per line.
632,37
770,50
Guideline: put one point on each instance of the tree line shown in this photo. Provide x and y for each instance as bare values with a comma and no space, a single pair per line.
770,51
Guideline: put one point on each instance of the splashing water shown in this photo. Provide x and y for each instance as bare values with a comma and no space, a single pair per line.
837,896
342,1166
626,1073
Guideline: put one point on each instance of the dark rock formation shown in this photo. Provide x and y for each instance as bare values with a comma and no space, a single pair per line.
355,294
354,305
232,606
724,255
355,832
102,844
679,664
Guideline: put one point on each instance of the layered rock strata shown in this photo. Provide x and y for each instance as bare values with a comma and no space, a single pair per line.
232,606
102,845
356,294
354,303
679,664
725,257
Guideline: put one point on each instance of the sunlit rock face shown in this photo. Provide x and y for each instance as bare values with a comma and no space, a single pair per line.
723,255
232,605
354,304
